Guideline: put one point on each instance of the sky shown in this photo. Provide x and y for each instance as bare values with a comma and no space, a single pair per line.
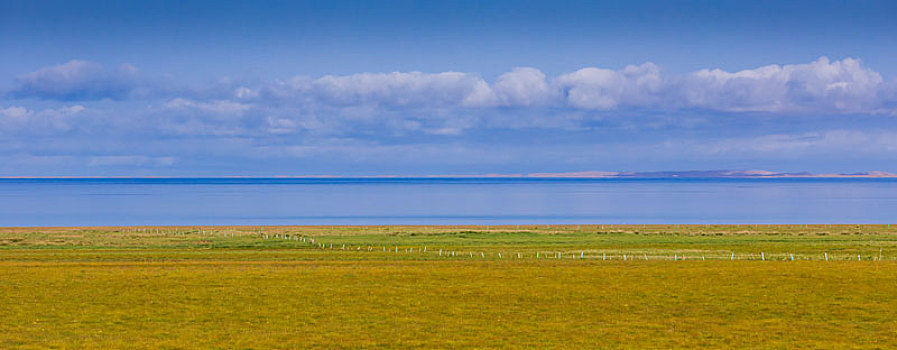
263,88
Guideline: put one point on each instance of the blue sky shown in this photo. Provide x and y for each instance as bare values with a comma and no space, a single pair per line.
403,87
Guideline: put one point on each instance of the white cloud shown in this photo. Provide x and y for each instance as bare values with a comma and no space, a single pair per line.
70,110
399,89
452,103
393,105
15,112
524,86
819,86
16,118
77,80
243,92
217,107
604,89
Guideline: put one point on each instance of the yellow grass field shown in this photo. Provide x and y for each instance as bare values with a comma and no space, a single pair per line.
216,287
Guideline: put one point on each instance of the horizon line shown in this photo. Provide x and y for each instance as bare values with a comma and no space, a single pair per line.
581,175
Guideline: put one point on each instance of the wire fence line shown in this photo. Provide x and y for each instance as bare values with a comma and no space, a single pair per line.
504,253
581,254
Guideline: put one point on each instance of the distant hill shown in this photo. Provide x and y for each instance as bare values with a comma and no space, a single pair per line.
707,174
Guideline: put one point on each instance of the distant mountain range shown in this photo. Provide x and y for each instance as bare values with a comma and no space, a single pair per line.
708,173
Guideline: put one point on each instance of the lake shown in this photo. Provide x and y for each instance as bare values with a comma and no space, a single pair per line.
393,201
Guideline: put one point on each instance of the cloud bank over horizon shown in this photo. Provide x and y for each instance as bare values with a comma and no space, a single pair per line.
820,86
83,117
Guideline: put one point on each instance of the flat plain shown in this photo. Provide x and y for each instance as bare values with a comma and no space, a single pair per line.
569,286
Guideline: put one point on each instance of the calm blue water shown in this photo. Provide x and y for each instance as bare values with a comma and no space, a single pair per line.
63,202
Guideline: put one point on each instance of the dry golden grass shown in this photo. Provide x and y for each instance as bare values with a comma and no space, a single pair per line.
167,291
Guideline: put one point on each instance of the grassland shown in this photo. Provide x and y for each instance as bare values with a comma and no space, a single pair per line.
231,287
